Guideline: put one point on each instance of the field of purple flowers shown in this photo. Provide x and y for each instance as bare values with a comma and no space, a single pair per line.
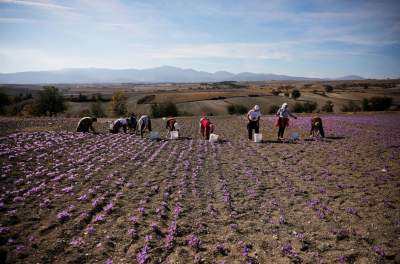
81,198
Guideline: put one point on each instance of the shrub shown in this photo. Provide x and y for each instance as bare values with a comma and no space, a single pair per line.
4,101
328,88
146,99
376,103
298,107
273,109
49,102
328,107
275,92
118,103
236,109
84,112
164,109
96,109
307,107
295,94
350,107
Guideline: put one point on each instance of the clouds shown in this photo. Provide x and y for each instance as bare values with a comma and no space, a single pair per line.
37,4
234,35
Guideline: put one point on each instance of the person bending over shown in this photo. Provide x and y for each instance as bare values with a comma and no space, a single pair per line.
206,127
143,124
316,127
86,124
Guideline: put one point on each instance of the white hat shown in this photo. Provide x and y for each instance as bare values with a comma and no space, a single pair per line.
177,126
256,108
284,105
164,118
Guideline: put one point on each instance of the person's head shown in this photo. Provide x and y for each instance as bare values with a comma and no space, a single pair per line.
133,114
284,105
256,108
94,119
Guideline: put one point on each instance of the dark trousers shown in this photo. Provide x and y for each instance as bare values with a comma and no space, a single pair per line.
319,128
281,130
282,124
253,125
143,127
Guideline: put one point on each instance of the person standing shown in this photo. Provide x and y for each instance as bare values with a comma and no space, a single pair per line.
316,127
253,116
206,127
143,124
86,124
283,119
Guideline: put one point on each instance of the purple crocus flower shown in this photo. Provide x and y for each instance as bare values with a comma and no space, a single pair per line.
63,216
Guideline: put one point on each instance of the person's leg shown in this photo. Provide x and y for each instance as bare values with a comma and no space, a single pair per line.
250,131
149,125
321,130
256,128
208,132
202,132
142,128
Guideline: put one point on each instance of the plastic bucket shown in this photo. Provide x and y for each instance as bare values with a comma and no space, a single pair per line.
257,137
154,135
213,138
295,136
174,134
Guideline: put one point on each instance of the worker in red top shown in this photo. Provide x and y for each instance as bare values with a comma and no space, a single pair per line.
206,127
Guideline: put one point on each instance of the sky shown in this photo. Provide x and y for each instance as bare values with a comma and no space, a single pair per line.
310,38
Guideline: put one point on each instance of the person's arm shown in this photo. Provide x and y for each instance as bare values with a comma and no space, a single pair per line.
292,115
124,128
278,112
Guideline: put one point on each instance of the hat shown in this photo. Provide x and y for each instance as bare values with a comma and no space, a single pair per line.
257,108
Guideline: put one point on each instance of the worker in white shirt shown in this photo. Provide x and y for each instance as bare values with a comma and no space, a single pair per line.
253,117
143,124
118,124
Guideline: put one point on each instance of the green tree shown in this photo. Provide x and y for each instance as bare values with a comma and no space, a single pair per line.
49,102
118,103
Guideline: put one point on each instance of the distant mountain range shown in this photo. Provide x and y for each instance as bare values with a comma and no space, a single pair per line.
154,75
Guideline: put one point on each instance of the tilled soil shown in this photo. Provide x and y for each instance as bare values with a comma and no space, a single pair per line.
81,198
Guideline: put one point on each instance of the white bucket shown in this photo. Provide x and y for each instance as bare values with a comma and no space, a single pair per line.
295,136
154,135
174,134
257,137
213,138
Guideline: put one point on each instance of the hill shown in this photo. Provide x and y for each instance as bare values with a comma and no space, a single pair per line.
152,75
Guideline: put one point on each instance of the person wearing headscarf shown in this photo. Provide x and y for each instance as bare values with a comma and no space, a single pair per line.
316,127
206,127
171,125
86,124
253,116
283,119
143,124
118,124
